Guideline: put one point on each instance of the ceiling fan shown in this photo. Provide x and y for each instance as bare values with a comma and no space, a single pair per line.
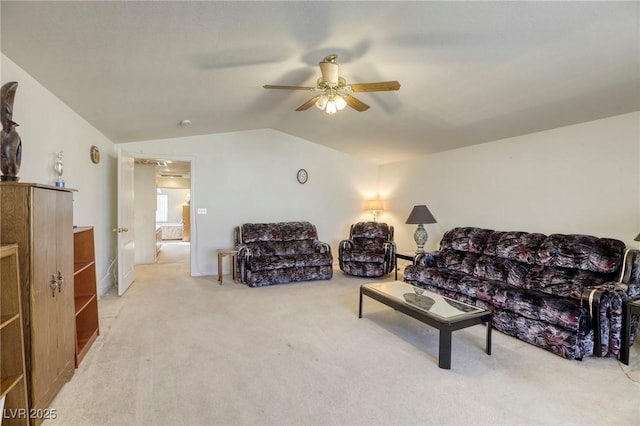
335,93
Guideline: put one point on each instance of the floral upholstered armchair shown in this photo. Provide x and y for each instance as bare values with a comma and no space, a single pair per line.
369,251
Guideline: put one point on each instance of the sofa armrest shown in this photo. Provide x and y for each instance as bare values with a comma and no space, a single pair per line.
389,256
321,247
630,274
237,236
605,303
429,259
344,245
244,258
591,299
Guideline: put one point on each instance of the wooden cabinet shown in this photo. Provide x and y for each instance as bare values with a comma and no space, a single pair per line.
39,219
186,223
85,293
13,381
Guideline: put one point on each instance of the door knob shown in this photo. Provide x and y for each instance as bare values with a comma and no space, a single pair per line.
60,280
53,284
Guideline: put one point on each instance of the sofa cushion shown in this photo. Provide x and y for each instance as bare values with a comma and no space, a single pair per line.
287,275
582,252
364,269
281,231
520,246
505,270
534,305
356,255
460,261
369,244
467,239
442,278
314,259
264,263
371,230
558,340
565,282
282,248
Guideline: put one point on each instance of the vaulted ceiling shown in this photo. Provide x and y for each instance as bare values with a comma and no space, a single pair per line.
470,72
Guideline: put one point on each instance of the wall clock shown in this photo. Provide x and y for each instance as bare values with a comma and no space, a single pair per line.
95,154
302,176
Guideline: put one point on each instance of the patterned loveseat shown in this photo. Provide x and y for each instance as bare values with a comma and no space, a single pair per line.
369,251
275,253
559,292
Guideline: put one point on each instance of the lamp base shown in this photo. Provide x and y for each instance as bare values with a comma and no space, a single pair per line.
421,238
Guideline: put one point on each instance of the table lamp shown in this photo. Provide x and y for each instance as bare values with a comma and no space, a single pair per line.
419,216
374,206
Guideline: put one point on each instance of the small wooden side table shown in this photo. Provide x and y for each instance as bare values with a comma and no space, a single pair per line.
406,255
234,262
628,309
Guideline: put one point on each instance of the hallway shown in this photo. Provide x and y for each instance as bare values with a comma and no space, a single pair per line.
174,251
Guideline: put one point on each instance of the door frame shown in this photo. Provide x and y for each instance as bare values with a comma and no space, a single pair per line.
192,186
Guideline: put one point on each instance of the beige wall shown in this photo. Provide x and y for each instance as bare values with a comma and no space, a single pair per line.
251,177
47,125
583,179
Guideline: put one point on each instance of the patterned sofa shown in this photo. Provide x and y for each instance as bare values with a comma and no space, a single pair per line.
559,292
369,251
275,253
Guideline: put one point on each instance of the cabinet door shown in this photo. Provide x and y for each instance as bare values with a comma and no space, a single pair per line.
52,325
65,309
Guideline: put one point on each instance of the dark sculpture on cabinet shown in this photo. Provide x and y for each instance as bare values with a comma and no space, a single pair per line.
10,143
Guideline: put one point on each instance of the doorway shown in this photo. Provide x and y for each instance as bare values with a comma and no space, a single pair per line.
162,198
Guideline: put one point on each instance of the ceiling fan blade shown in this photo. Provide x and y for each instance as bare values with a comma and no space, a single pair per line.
355,103
381,86
311,102
270,86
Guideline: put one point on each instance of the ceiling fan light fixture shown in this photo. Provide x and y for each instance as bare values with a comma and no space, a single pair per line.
331,108
321,103
334,92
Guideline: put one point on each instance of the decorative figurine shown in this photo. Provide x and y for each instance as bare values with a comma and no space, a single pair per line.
10,143
59,168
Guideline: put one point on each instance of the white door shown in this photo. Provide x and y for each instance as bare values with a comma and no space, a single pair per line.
126,245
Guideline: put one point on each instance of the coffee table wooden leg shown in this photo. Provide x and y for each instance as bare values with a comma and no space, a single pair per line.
360,308
444,350
220,268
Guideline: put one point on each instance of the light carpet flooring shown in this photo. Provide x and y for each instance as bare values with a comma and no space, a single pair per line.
177,350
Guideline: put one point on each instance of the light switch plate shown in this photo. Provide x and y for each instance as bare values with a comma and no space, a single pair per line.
202,210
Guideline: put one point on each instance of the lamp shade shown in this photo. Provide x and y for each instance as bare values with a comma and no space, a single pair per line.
637,238
419,215
373,205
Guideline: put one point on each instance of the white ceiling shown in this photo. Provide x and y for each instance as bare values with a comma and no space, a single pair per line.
471,72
